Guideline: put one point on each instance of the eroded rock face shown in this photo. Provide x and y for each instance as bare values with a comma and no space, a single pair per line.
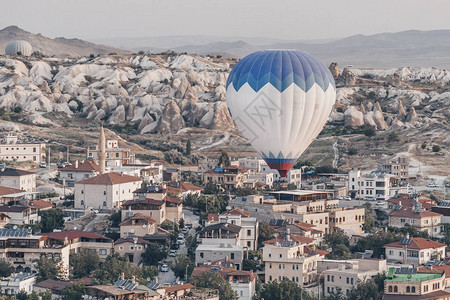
171,120
412,116
401,115
334,70
353,117
347,77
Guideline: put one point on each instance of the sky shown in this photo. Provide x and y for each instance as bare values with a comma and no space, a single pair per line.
284,19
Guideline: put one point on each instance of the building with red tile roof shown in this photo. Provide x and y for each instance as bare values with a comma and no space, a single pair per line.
416,250
8,194
139,225
42,205
78,171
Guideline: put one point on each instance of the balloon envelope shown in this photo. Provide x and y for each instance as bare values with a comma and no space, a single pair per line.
280,100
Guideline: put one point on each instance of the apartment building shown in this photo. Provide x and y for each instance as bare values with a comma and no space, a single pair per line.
11,149
207,253
226,177
350,273
105,191
398,167
292,260
155,209
115,155
138,225
406,283
131,247
22,248
417,217
21,214
373,185
248,236
17,283
415,251
18,179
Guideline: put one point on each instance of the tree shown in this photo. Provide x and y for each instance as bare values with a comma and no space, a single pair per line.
210,188
224,159
352,151
84,262
149,272
371,289
181,224
181,264
48,269
154,253
188,147
392,137
369,217
369,130
376,242
436,148
339,243
113,266
51,219
286,290
115,218
6,268
265,232
215,281
252,262
74,292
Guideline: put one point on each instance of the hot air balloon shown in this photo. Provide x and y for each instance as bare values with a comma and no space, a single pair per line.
280,100
15,47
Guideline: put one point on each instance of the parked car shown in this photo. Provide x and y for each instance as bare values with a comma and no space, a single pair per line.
175,246
185,230
348,198
173,253
432,184
180,240
196,211
379,203
370,199
165,268
180,235
188,225
42,165
340,198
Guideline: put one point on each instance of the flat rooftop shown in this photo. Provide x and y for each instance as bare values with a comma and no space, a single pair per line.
416,277
298,192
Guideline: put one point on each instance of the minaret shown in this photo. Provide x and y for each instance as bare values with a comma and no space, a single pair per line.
102,151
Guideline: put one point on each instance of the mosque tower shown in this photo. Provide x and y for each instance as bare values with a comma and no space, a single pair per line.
102,151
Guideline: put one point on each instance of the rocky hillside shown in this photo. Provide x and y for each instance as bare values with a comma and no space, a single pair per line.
57,46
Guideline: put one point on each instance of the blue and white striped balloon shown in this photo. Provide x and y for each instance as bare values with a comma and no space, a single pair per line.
280,100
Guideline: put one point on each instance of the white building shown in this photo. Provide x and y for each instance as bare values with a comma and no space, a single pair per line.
12,150
415,251
21,214
16,283
105,191
376,185
78,171
349,273
115,155
18,179
205,254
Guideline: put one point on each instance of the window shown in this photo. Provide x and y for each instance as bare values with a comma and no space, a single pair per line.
120,247
232,255
390,289
328,277
413,289
249,244
391,252
201,254
351,281
82,191
104,203
332,278
270,266
270,278
402,220
249,232
103,252
408,289
395,289
281,255
82,202
104,192
279,266
348,280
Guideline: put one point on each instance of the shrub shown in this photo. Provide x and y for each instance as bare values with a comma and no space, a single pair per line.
436,148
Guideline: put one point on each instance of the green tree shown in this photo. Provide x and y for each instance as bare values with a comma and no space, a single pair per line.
265,232
339,243
210,188
75,292
436,148
113,266
352,151
372,289
181,224
392,137
154,253
149,272
47,269
286,290
84,262
22,295
369,130
6,268
376,242
115,218
191,244
215,281
369,217
51,219
224,159
188,147
252,261
424,145
180,264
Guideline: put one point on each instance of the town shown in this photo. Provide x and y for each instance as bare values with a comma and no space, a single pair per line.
115,227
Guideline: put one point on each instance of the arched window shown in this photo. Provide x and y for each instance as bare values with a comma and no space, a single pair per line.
395,289
408,289
82,202
413,289
104,203
390,289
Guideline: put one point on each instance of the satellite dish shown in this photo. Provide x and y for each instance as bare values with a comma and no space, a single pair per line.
228,208
15,227
75,228
144,226
148,279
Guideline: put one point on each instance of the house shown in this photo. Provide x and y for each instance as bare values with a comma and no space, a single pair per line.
16,283
132,248
415,251
138,225
122,289
11,195
155,209
105,191
18,179
226,177
42,205
417,217
178,291
56,287
4,219
21,214
207,253
437,268
409,201
11,149
242,282
248,236
155,192
181,189
115,155
174,208
347,275
299,228
171,174
408,284
289,259
78,171
23,248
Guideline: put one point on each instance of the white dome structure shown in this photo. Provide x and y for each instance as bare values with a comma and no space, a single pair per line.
15,47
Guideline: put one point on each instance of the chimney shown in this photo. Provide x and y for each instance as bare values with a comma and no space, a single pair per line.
76,164
133,279
407,235
288,234
122,276
102,151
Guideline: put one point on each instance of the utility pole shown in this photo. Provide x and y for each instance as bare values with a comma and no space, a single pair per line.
67,158
48,157
186,273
